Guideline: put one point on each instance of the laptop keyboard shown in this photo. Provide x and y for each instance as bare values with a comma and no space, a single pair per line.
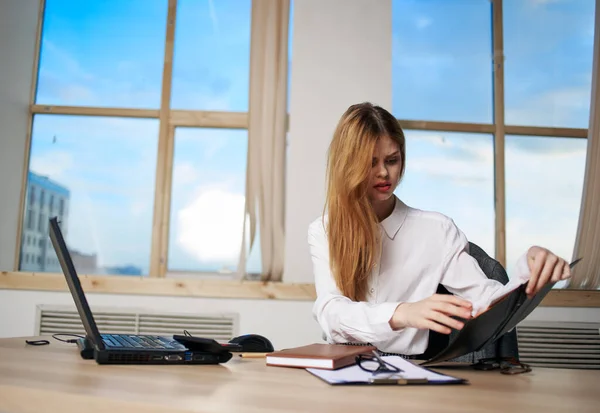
141,342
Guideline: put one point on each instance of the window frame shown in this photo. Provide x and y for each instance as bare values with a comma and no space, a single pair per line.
157,283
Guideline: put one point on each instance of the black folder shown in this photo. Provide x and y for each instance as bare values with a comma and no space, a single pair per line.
500,318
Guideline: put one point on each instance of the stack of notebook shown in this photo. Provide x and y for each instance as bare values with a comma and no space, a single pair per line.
321,356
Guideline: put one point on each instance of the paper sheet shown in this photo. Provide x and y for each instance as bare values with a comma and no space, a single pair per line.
521,277
483,303
354,374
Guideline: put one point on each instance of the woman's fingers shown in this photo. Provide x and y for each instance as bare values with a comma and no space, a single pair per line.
432,325
434,313
452,299
451,309
535,269
549,264
544,267
559,269
566,272
443,319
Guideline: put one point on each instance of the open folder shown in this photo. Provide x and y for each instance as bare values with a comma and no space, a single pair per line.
500,318
409,374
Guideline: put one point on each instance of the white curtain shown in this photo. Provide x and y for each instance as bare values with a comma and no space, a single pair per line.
267,136
586,274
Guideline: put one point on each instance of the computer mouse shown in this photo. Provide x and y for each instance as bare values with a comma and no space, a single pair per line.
253,343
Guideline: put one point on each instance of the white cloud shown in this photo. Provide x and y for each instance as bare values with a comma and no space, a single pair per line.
213,16
538,3
558,108
474,149
192,94
422,22
457,170
184,174
70,64
210,226
69,82
53,164
138,207
74,92
423,68
463,162
211,144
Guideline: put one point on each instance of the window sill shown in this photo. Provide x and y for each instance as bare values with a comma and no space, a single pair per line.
135,285
215,288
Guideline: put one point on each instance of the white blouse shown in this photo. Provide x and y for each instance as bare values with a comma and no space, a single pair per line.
420,251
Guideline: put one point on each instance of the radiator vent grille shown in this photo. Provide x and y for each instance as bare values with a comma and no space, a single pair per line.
560,345
64,319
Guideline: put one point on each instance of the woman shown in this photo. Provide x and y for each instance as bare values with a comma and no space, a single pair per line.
378,262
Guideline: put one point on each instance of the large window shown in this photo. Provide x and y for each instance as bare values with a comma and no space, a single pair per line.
494,97
139,137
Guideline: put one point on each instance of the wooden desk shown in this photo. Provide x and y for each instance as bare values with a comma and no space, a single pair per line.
54,378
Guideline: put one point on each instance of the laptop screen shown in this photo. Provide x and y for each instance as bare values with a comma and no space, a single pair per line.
74,285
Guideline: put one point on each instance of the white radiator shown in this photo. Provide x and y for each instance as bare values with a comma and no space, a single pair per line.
65,319
559,344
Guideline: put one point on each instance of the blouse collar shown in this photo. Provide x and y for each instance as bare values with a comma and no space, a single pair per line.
394,221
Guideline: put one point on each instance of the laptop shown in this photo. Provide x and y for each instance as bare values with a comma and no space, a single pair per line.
131,348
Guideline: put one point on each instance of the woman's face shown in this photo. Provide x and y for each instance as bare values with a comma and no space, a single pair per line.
385,171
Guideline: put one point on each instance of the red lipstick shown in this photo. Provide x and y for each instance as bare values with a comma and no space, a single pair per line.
383,187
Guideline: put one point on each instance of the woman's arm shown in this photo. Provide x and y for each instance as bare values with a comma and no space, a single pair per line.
341,319
462,276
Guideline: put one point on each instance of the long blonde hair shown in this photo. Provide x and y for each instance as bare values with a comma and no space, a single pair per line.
352,227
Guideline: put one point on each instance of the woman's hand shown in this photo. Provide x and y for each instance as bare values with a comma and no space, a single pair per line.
544,267
433,313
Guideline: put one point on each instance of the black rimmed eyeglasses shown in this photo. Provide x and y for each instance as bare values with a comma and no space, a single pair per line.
373,363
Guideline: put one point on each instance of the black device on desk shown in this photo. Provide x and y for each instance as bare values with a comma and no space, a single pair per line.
129,348
205,344
253,343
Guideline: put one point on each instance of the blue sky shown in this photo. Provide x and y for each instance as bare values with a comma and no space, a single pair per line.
110,53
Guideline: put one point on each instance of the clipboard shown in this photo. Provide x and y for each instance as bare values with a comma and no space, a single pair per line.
410,374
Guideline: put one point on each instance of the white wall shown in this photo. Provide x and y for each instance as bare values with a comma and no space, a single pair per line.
18,21
341,56
326,79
